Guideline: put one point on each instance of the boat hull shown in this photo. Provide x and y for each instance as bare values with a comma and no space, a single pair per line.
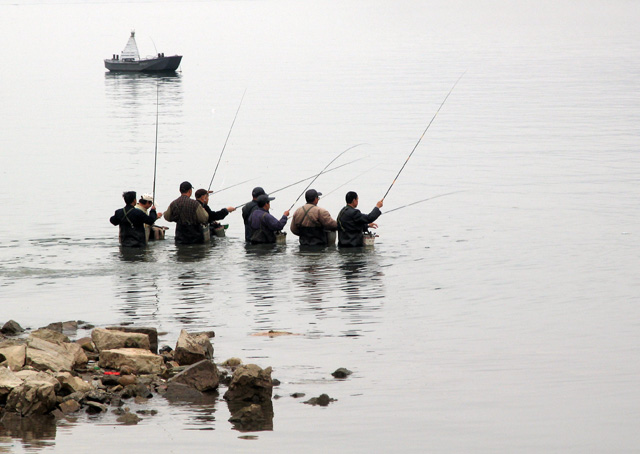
145,65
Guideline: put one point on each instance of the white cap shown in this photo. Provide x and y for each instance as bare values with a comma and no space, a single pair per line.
147,197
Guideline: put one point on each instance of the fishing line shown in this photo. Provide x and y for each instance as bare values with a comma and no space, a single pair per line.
232,186
324,196
419,140
423,200
155,161
322,171
225,142
308,178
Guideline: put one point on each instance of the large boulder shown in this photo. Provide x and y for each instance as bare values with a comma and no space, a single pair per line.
250,383
34,396
44,355
202,376
151,332
141,360
13,354
108,339
50,335
192,348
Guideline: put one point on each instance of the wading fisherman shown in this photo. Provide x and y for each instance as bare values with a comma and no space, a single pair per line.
352,223
202,196
132,221
248,209
310,222
263,225
189,216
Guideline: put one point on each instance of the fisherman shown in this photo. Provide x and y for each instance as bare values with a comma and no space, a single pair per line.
248,209
189,215
263,225
311,223
152,232
352,223
132,221
202,196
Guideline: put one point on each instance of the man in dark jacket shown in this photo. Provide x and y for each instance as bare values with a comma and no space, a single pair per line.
352,223
188,215
132,221
248,209
263,225
202,196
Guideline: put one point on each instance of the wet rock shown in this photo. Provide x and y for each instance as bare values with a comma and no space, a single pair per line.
96,395
127,370
56,326
110,379
128,418
341,373
45,355
180,393
70,326
13,354
202,376
69,406
70,384
151,333
275,382
140,400
209,334
253,417
142,361
32,397
298,395
94,407
250,383
224,377
116,401
165,349
50,335
107,339
77,396
192,348
86,344
323,400
11,328
147,412
142,391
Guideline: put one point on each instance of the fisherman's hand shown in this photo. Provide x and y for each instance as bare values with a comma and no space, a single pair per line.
373,225
286,213
230,209
379,204
159,215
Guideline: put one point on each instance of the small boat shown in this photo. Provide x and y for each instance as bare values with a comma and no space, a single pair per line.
129,60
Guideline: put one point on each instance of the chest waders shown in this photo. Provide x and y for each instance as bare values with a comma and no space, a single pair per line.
311,236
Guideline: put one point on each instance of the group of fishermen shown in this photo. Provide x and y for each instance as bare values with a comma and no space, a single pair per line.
195,221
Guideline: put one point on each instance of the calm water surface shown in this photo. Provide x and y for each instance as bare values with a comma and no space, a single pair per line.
502,318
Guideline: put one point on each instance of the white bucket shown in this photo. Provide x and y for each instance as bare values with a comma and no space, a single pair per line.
369,239
331,237
206,233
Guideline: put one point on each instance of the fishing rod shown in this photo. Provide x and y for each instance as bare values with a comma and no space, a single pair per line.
324,196
308,178
227,139
423,200
232,186
155,161
322,171
419,140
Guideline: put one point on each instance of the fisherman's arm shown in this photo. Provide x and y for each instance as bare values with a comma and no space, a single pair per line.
115,219
167,214
327,221
221,214
294,222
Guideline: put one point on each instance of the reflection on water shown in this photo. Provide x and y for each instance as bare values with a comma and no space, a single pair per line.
34,432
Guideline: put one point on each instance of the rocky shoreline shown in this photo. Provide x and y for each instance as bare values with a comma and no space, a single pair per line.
43,373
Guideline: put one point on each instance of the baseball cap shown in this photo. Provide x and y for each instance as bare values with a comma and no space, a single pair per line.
263,200
257,191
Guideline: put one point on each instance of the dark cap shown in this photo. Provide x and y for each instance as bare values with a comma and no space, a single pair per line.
185,186
263,200
257,191
311,195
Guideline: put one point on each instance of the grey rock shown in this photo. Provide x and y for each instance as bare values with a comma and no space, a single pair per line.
11,327
32,397
202,376
109,339
192,348
94,407
152,333
50,335
250,383
323,400
341,373
128,418
142,361
69,406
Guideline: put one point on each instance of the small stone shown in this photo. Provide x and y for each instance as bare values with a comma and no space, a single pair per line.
341,373
275,382
298,395
140,400
95,407
128,419
127,370
232,362
323,400
96,395
69,406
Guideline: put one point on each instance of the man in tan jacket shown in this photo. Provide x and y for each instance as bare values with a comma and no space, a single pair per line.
311,223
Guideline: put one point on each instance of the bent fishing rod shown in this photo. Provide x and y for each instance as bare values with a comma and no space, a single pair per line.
322,171
232,186
308,178
419,140
423,200
155,161
227,139
324,196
